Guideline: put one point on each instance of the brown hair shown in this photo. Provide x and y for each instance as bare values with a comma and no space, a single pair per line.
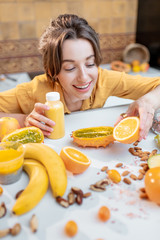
67,26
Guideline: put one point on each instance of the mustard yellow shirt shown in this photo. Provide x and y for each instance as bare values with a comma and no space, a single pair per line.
109,83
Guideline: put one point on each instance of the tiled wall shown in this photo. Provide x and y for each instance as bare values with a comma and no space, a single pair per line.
23,21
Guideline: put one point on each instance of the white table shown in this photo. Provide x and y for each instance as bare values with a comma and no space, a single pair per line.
131,217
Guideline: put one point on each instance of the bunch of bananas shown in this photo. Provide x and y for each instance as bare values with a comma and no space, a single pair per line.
40,162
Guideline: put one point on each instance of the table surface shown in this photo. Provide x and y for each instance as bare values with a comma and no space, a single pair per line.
131,217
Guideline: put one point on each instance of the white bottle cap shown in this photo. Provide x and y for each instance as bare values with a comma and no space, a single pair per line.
52,96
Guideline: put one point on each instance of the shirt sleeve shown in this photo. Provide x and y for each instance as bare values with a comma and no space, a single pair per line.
16,100
112,83
119,84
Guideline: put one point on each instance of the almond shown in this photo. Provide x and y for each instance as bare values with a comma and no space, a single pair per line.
15,230
34,223
119,165
127,180
125,173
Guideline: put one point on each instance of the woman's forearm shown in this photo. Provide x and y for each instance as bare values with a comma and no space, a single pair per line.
153,98
20,117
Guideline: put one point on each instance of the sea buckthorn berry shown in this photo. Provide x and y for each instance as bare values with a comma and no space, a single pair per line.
114,175
71,228
104,213
1,190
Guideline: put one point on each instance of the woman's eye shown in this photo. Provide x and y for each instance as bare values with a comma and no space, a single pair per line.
91,65
69,69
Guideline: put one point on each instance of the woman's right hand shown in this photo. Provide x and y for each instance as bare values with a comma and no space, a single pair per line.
36,118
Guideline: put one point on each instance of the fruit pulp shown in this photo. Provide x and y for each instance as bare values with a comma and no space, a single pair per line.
56,113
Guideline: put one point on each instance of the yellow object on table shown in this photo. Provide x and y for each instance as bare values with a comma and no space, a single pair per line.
11,162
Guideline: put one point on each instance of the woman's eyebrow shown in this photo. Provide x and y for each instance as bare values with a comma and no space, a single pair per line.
70,60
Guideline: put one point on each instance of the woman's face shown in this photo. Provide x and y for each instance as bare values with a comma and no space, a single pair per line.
79,72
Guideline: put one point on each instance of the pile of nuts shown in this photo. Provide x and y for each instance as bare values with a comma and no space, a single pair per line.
75,195
16,229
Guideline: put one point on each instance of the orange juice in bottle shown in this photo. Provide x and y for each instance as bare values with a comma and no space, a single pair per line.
56,114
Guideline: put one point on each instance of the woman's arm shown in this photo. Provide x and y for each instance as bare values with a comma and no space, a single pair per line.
20,117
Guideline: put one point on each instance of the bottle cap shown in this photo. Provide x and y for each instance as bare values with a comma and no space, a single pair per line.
52,96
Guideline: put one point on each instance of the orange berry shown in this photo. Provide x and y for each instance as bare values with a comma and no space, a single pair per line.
104,213
71,228
114,175
1,190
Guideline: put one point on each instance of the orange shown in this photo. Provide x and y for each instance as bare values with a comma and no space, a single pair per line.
104,213
71,228
127,130
152,184
8,125
74,160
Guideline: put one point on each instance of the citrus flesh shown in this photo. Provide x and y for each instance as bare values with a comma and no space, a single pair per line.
127,130
75,161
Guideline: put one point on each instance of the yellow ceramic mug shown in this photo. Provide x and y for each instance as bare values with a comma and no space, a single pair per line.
11,162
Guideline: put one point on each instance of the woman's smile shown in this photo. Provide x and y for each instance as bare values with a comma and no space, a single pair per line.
84,87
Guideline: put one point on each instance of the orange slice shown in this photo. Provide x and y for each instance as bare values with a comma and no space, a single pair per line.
74,160
127,130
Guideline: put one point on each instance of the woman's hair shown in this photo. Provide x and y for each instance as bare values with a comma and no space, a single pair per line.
67,26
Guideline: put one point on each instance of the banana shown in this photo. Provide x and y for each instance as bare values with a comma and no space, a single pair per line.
53,164
35,190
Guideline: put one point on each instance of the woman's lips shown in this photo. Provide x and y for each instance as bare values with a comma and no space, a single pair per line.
83,88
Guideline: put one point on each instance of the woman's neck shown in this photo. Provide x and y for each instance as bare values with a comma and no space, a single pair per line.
72,105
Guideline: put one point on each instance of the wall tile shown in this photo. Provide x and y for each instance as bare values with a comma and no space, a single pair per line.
58,8
25,12
27,30
90,10
75,7
8,12
40,27
104,25
119,8
105,9
118,25
132,7
43,10
9,31
130,25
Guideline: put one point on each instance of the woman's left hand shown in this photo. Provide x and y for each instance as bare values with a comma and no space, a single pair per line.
145,112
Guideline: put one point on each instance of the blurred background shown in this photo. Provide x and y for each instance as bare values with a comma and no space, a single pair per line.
118,22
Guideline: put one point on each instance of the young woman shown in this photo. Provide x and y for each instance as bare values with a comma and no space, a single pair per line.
71,57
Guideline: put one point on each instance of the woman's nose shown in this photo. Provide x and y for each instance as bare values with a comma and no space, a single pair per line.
82,75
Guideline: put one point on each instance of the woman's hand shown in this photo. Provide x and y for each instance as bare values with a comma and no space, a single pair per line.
36,118
145,111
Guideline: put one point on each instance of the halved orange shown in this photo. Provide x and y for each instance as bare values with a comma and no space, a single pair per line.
127,130
75,161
